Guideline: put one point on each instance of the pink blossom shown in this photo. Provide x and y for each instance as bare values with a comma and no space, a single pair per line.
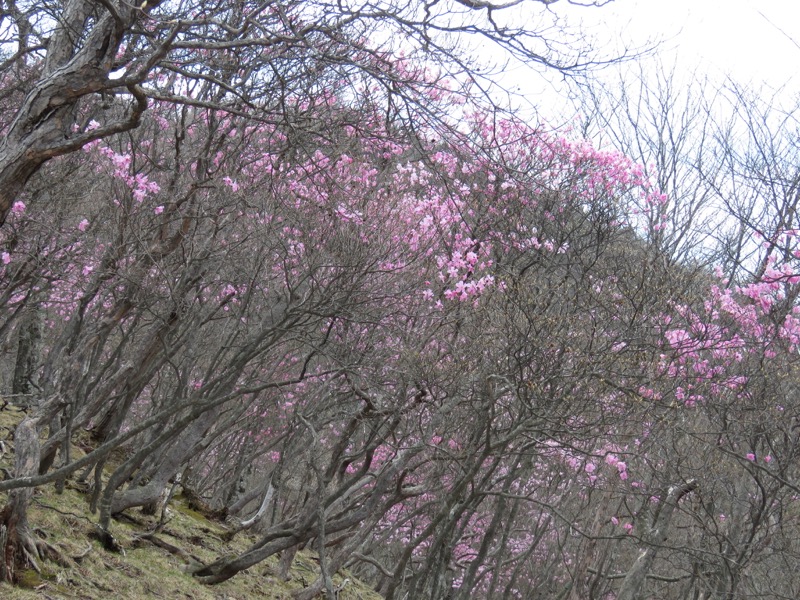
122,162
6,258
751,456
83,225
158,210
231,183
18,208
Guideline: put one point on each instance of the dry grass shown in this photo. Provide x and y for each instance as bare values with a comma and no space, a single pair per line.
83,569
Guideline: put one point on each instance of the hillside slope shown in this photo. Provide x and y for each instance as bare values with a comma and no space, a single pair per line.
155,560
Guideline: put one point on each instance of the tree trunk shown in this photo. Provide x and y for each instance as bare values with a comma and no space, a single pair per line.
284,536
634,580
27,355
19,544
175,457
42,127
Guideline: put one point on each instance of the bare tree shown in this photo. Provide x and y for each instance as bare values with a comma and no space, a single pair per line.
668,125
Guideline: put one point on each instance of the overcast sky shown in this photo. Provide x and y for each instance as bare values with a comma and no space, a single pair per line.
755,42
752,40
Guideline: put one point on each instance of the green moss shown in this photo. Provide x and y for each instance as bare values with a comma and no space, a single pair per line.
29,579
181,506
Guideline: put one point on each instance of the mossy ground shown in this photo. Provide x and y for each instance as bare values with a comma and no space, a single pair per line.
84,569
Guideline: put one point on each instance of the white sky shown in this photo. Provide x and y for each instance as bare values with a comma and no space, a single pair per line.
752,40
755,42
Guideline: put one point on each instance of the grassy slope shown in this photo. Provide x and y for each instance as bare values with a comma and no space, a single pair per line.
144,570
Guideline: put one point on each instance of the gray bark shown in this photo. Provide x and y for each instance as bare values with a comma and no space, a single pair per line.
284,536
176,457
28,347
262,509
634,581
74,69
19,543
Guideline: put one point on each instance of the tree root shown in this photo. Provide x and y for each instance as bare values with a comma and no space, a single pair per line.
21,548
49,552
195,502
78,558
108,541
192,560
